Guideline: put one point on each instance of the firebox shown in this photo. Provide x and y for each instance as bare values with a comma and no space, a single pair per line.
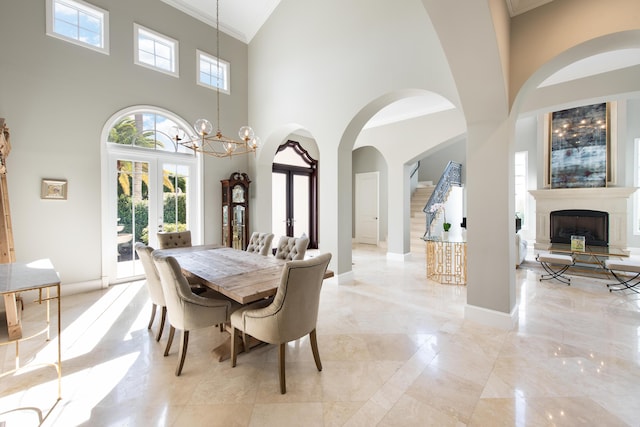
593,225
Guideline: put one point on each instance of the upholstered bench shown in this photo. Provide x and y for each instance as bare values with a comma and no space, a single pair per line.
629,280
555,265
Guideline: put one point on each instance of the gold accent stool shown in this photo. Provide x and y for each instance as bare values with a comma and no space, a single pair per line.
447,262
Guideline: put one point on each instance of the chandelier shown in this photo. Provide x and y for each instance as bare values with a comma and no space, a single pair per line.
216,144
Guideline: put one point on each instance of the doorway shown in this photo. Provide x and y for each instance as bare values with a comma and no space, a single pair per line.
150,184
295,193
367,210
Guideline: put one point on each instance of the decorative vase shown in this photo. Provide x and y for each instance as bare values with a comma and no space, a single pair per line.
445,236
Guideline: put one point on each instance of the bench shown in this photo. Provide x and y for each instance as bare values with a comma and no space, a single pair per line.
556,265
629,280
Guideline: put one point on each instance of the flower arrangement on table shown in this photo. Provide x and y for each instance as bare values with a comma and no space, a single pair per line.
440,207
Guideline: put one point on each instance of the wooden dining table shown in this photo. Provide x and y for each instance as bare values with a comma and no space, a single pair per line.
244,277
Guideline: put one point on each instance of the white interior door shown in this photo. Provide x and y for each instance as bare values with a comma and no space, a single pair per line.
367,208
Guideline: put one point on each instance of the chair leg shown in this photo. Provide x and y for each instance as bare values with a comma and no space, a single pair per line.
314,348
234,349
153,315
163,317
172,331
283,384
183,352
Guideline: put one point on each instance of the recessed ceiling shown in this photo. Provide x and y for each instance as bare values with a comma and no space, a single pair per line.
409,108
596,64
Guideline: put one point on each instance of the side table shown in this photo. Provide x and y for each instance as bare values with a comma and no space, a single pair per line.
37,276
447,262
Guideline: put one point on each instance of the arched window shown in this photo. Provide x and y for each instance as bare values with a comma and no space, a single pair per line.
150,184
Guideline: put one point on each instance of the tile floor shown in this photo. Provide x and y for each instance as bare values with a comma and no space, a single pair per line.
395,348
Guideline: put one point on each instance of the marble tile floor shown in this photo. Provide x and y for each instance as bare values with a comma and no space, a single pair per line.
395,348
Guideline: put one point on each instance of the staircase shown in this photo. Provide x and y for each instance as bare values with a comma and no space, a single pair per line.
418,217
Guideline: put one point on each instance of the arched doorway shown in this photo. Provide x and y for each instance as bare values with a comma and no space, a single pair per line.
149,184
295,193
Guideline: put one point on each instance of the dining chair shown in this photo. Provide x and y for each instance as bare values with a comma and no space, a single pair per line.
292,248
292,314
186,310
153,284
174,239
260,243
156,294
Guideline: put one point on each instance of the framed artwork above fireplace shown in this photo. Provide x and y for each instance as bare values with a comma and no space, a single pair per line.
579,148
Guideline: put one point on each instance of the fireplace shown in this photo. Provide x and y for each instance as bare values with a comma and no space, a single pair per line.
616,201
593,225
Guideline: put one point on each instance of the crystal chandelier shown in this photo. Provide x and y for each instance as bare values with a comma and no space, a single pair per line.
216,144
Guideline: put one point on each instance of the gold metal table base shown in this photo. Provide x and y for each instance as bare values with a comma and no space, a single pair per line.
447,262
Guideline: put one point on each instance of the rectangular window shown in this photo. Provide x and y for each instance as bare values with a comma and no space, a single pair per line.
78,22
521,186
155,51
213,72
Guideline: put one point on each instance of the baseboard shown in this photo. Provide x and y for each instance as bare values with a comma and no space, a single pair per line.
391,256
81,287
343,279
495,319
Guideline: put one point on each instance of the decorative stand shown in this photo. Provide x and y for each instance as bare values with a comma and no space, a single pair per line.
447,262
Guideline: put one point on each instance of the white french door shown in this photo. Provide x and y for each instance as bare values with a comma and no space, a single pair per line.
146,194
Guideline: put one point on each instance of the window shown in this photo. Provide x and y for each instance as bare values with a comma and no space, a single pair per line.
213,72
521,186
78,22
148,131
155,51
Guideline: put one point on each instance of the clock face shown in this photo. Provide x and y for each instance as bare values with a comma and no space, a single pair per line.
237,194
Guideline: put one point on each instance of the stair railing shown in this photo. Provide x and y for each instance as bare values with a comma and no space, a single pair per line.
452,175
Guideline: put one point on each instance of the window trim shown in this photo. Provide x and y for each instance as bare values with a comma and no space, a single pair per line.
50,30
137,28
211,58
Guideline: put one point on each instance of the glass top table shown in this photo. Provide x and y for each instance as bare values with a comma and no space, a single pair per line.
597,251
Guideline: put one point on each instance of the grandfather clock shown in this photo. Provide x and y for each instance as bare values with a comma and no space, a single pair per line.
235,211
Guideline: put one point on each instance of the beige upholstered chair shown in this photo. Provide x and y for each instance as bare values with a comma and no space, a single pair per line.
187,311
176,239
292,314
260,243
292,248
153,284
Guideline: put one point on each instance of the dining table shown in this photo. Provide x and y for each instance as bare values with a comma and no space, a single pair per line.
241,276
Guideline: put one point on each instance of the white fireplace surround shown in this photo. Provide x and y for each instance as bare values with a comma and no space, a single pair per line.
614,200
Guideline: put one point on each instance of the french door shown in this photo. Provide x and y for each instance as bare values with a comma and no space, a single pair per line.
148,194
294,194
291,207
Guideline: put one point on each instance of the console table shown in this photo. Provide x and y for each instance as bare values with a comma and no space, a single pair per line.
37,276
447,262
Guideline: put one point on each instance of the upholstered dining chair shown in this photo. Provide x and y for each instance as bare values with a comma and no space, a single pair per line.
175,239
156,295
186,310
260,243
291,314
153,285
292,248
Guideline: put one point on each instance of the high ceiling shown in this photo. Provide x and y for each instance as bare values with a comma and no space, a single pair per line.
243,18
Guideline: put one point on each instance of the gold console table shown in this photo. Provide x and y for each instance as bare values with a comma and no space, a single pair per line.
447,262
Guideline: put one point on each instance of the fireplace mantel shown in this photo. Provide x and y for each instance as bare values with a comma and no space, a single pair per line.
614,200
